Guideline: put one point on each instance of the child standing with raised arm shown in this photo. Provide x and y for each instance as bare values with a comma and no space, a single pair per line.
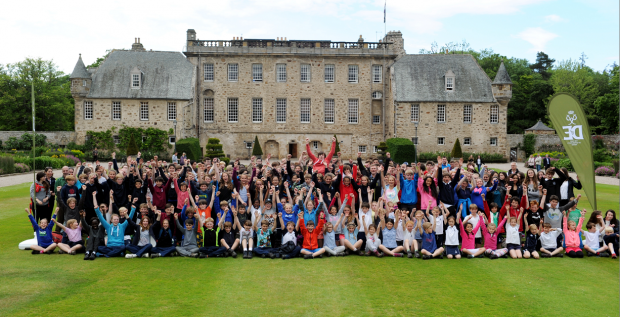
513,241
45,243
429,244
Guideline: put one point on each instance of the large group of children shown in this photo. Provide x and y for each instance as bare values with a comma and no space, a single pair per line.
319,205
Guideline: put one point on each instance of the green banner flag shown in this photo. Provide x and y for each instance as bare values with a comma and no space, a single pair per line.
571,125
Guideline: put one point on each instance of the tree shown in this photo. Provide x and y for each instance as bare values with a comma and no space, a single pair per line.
607,105
214,148
257,150
132,147
382,149
100,60
456,150
54,104
337,144
543,65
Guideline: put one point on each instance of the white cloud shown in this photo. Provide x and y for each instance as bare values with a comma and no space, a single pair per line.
538,37
553,18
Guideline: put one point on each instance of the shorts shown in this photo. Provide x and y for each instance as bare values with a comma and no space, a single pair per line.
513,246
339,236
419,243
576,249
530,250
452,250
595,249
399,243
313,251
71,244
430,251
391,249
472,250
44,246
478,241
550,250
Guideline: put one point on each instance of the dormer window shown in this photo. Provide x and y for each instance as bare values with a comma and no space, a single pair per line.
136,78
449,80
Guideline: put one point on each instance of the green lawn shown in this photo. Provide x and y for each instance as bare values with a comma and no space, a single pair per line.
62,285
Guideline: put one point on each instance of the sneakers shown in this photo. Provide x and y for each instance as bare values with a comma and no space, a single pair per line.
49,252
379,254
409,255
591,254
439,256
250,254
417,254
426,257
493,257
614,256
203,256
368,253
93,256
344,254
194,255
232,253
73,252
271,255
545,255
470,256
360,252
130,256
398,255
86,256
155,255
60,251
308,257
559,255
603,255
145,255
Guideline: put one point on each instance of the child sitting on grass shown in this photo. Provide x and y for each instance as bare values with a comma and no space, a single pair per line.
115,230
351,240
372,239
468,236
429,244
189,246
311,248
592,244
389,245
246,236
74,237
289,248
572,239
513,241
211,248
452,238
548,241
164,236
611,240
329,239
43,230
490,237
532,242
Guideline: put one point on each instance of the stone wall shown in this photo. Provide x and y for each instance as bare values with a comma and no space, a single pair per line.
480,131
54,137
514,140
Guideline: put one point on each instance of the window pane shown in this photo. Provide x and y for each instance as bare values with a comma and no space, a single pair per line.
208,110
329,73
116,110
361,148
257,72
88,110
233,110
467,114
353,110
257,110
329,110
441,113
353,73
377,73
281,72
208,72
440,141
449,83
305,72
281,110
494,114
376,119
135,80
305,110
233,72
172,111
144,111
467,141
415,113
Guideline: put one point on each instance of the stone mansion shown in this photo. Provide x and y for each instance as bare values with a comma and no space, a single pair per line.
283,91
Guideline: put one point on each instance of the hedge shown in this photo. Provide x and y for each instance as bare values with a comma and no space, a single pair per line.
7,165
191,147
404,153
394,144
45,161
485,157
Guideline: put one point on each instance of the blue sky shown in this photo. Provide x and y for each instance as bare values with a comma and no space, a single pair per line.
519,28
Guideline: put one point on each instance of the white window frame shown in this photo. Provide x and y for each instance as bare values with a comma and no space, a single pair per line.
315,145
172,111
441,140
415,113
144,111
88,110
375,149
233,72
467,141
281,73
353,74
377,73
415,140
208,110
361,148
233,110
330,73
281,110
257,72
493,141
305,110
329,111
450,83
209,72
353,113
376,95
170,139
116,111
494,114
441,113
467,113
248,145
305,73
376,119
135,81
257,110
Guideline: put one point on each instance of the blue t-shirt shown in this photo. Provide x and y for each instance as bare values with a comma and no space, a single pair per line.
351,236
329,239
428,242
389,238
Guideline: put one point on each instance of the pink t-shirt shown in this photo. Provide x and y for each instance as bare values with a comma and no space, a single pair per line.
74,235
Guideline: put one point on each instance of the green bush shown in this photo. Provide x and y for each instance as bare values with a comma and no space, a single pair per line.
485,157
615,164
7,165
191,147
132,146
392,148
214,148
563,163
404,153
529,141
257,150
456,150
225,159
600,155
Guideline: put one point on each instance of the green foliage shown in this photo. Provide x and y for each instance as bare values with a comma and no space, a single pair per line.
132,147
25,142
563,163
607,105
155,140
54,105
225,159
337,144
392,148
615,164
100,140
529,142
99,60
404,153
191,147
456,150
485,157
257,150
382,149
600,155
44,161
214,148
7,165
543,65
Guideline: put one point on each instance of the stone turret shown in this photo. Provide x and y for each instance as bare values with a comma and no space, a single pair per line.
80,79
502,85
398,44
191,36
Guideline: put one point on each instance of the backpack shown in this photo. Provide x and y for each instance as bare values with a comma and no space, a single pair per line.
56,237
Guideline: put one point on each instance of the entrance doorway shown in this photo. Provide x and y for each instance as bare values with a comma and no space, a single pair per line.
292,149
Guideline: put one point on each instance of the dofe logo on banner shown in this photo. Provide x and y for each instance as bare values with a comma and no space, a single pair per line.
573,132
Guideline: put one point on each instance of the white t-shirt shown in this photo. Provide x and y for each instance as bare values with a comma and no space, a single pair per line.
564,190
245,234
368,219
474,222
452,236
289,236
438,225
399,230
409,235
549,240
512,234
592,239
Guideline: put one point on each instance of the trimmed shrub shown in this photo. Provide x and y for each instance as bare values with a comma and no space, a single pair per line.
132,147
615,164
563,163
600,155
214,148
21,168
225,159
191,147
485,157
604,171
456,150
257,150
393,144
404,153
7,165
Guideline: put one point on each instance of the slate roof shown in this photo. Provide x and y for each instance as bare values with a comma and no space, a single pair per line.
420,78
502,76
79,71
539,126
165,75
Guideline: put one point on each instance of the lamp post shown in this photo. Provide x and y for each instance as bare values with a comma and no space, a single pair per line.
416,142
174,123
